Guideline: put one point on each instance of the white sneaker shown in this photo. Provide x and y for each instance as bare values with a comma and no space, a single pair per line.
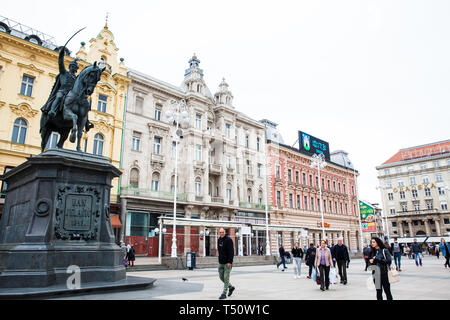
295,277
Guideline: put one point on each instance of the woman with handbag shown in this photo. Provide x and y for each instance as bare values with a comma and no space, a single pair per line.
381,257
324,262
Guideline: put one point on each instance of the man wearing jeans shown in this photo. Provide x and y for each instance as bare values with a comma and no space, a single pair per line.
397,251
282,255
342,258
417,250
226,253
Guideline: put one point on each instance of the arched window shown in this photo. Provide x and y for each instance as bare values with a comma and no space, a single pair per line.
249,195
134,178
19,131
155,181
260,196
98,144
198,186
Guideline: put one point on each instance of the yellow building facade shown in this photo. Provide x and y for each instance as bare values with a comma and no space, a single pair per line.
28,68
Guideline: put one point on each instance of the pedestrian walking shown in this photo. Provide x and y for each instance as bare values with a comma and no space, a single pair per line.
282,255
408,251
332,254
381,258
342,258
417,251
310,258
226,254
397,251
366,253
123,247
131,255
444,247
297,256
437,249
324,262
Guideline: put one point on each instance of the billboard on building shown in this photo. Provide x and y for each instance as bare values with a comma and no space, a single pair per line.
311,145
367,217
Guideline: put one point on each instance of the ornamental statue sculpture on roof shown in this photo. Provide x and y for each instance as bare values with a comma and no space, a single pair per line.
68,106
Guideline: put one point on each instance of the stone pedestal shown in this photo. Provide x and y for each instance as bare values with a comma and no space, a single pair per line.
56,216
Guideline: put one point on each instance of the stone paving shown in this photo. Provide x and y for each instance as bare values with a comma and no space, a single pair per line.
432,281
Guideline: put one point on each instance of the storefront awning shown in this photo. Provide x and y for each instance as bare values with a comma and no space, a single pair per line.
115,222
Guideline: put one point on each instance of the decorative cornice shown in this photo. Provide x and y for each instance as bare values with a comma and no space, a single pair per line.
30,67
102,125
5,59
23,110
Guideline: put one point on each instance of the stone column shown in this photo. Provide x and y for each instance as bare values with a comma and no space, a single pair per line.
411,231
437,222
427,227
123,218
400,227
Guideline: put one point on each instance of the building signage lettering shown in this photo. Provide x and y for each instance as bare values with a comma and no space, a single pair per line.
415,187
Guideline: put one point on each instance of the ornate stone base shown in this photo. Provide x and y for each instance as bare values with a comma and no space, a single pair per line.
56,219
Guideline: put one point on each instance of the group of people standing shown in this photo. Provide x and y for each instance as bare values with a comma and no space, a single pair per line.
129,254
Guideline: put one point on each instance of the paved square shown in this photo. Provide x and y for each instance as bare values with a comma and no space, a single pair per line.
430,282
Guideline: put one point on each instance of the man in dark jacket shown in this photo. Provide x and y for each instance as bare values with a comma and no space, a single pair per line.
282,255
310,257
342,258
417,250
226,253
366,253
396,251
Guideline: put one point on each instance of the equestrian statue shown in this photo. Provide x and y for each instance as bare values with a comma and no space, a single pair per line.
68,106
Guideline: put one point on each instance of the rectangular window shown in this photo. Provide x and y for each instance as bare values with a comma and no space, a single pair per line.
392,211
345,191
289,175
305,202
102,102
297,177
430,205
298,201
136,143
341,208
174,149
139,105
328,184
278,199
416,207
439,177
304,178
346,209
412,181
423,166
425,179
157,145
228,162
310,180
198,152
404,207
436,164
27,86
158,113
398,170
198,121
291,201
155,185
334,186
229,194
331,207
318,204
387,171
317,182
335,207
441,191
278,174
324,205
259,170
391,196
414,193
339,187
228,130
410,168
258,140
388,184
427,192
249,167
400,183
402,194
312,204
246,141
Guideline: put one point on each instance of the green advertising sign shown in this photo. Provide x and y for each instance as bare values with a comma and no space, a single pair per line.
367,217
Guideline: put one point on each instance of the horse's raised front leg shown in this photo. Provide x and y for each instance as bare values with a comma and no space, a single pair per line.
62,138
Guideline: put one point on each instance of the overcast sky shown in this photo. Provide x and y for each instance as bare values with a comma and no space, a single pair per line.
369,77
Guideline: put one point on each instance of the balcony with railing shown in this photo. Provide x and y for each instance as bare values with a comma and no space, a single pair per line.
415,212
151,194
215,168
157,158
254,206
217,199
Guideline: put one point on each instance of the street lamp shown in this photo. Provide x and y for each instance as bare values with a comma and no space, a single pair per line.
319,162
177,115
384,213
160,231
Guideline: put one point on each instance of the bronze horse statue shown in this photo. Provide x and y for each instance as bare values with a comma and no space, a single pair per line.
74,114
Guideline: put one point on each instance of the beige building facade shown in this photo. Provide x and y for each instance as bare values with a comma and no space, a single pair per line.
220,166
414,185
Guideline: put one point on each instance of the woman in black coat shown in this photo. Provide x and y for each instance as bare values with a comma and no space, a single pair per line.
310,257
381,257
131,256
